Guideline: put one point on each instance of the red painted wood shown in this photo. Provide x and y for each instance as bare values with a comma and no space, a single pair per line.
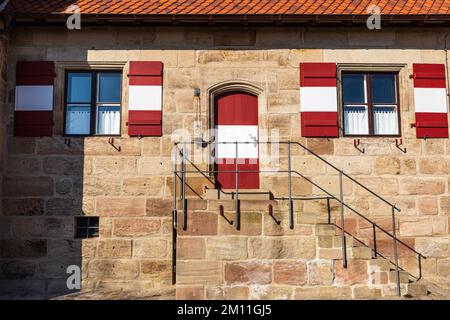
33,123
237,108
145,73
429,75
320,124
431,125
227,180
145,130
317,74
35,73
144,117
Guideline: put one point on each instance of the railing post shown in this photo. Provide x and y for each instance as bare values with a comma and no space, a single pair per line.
238,211
174,217
420,267
397,272
183,189
329,210
374,230
291,208
341,198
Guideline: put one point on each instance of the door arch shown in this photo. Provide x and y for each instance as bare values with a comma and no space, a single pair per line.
236,119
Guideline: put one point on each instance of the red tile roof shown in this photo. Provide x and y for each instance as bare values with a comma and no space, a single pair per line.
230,7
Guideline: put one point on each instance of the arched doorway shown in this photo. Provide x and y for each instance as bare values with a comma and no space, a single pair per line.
236,119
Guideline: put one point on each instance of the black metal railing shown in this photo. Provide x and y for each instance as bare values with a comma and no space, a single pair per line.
181,176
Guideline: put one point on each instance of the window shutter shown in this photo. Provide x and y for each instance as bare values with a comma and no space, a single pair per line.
33,112
145,99
430,99
318,100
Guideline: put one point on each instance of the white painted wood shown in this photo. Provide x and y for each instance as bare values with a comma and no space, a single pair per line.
145,98
432,100
34,98
228,133
318,99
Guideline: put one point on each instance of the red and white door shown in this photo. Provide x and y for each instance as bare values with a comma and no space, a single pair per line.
236,119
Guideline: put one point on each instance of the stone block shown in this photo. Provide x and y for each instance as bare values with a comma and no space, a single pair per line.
248,272
141,186
418,226
227,293
114,249
290,272
271,293
156,269
387,165
355,273
32,248
251,224
198,272
120,206
226,248
323,293
190,293
282,248
320,273
152,248
199,224
159,207
114,269
112,165
22,166
422,186
27,186
189,248
366,293
23,207
427,205
136,227
64,166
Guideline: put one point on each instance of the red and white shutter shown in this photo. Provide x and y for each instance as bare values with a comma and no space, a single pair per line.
430,99
318,100
33,111
237,120
145,98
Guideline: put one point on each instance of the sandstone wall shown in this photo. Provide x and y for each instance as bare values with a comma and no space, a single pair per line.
47,182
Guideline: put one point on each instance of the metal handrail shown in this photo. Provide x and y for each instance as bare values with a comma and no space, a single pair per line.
343,205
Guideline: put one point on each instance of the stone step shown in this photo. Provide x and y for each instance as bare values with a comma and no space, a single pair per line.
247,194
363,253
379,264
415,289
311,218
404,277
334,241
325,230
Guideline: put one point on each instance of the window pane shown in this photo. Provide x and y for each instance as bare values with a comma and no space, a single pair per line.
109,87
383,88
356,120
108,120
353,88
79,87
78,120
385,120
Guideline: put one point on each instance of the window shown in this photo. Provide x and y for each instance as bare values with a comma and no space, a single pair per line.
93,103
86,227
370,104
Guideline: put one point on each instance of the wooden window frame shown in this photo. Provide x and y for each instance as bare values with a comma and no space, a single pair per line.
94,104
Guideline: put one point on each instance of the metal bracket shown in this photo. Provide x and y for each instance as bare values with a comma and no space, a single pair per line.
278,222
399,143
222,214
356,144
67,141
111,142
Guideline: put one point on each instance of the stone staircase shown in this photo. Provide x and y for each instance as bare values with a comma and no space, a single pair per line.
266,259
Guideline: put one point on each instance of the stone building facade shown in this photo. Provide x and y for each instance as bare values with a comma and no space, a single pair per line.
128,182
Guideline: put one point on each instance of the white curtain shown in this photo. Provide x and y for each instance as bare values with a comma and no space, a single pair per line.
108,122
356,121
385,120
78,121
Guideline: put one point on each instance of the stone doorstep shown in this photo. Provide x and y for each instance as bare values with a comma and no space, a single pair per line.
247,194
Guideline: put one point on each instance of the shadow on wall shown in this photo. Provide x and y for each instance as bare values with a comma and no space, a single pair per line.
42,194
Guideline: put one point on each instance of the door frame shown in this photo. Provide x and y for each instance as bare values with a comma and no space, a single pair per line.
231,86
